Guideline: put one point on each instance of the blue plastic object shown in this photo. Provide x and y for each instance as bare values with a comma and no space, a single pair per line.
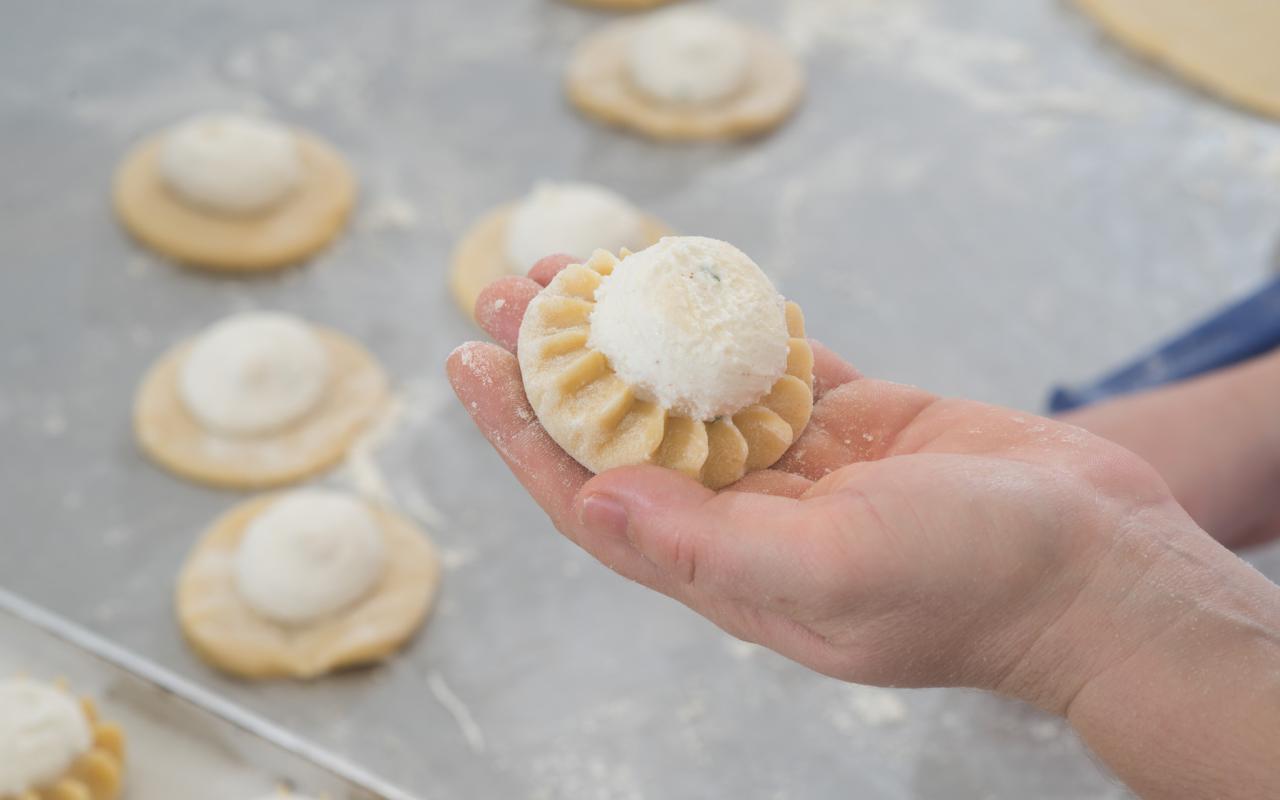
1245,329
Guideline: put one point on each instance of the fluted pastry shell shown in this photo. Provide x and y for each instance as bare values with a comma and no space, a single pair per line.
598,83
97,774
600,421
177,441
480,258
226,632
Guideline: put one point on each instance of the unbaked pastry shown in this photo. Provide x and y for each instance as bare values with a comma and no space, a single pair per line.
259,399
573,218
685,73
681,355
1229,47
54,747
231,192
302,583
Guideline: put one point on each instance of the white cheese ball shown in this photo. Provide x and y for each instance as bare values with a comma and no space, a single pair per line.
254,373
230,163
688,56
42,731
692,324
571,218
311,554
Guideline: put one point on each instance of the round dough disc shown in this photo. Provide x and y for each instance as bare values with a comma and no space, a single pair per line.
481,256
598,84
173,438
300,226
228,634
1228,47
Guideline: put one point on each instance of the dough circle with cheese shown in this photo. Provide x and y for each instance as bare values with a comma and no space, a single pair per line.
607,77
553,218
232,194
228,631
170,430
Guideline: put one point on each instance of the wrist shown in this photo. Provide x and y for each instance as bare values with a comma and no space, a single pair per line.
1167,662
1150,584
1195,711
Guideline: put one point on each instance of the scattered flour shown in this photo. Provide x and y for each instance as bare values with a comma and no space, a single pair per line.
988,71
418,402
54,423
455,558
138,266
471,732
570,772
741,650
389,213
1045,730
867,706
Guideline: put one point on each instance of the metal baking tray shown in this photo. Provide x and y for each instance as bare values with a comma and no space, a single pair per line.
183,740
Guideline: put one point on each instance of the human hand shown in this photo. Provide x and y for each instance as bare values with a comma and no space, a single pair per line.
912,540
904,540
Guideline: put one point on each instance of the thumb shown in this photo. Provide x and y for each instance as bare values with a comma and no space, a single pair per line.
669,532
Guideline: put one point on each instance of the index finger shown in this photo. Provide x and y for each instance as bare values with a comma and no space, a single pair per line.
501,304
487,381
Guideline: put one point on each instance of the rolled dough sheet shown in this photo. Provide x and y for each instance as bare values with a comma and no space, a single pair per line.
1228,47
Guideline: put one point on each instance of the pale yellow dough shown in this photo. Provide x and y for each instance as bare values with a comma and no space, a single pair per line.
304,222
176,440
1228,47
481,255
98,774
596,417
598,84
230,635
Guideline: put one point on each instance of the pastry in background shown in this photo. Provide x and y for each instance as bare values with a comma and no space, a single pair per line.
682,355
305,582
258,399
234,192
572,218
54,747
685,73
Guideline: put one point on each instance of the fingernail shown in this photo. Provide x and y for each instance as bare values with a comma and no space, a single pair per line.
602,514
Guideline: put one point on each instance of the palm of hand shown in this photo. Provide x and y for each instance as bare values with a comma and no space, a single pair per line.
903,540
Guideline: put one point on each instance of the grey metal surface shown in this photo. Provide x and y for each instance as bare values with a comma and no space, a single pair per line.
978,197
190,737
